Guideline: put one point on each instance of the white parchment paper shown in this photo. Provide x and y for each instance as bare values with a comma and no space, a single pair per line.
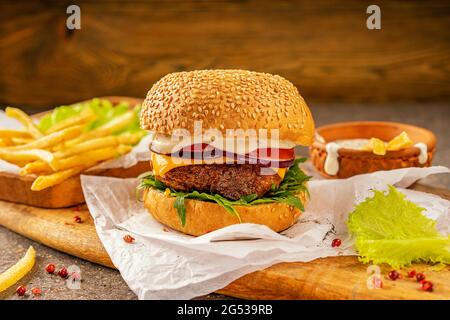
139,152
165,264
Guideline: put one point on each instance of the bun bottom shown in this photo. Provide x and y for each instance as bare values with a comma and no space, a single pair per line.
203,217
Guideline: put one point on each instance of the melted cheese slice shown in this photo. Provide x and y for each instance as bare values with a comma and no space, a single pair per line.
162,164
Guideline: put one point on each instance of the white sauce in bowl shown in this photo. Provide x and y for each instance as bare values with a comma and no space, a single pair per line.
331,165
423,155
355,144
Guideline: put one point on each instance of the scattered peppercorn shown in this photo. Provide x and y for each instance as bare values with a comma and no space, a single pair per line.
394,275
336,243
63,272
77,219
411,273
426,285
50,268
36,291
420,276
21,290
128,238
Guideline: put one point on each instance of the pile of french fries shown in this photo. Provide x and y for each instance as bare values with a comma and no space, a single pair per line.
66,149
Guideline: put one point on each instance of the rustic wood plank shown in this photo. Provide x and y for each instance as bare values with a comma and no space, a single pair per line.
322,46
57,229
333,278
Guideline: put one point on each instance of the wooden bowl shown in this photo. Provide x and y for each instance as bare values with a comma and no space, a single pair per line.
353,162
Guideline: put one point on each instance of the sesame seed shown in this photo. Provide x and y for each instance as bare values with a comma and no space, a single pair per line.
220,97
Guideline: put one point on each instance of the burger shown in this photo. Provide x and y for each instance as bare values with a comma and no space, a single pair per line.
223,150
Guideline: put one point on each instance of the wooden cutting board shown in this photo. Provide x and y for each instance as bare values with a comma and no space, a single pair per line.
327,278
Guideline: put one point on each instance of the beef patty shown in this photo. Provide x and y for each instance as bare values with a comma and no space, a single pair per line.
229,180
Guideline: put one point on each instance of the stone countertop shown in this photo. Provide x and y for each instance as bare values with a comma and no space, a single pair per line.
103,283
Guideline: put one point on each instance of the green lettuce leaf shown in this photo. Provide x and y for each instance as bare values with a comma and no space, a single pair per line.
104,110
293,183
390,229
57,115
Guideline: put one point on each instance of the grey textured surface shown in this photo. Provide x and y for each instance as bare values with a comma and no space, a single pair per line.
103,283
97,282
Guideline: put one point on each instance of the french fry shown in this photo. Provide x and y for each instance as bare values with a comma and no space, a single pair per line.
43,182
36,167
87,159
131,138
15,134
116,124
89,156
108,128
6,142
98,143
88,145
19,141
20,156
19,270
25,120
73,121
51,139
19,163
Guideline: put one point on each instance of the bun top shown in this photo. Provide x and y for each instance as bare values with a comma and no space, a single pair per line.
227,99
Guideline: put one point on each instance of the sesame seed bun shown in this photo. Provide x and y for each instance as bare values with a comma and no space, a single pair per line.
227,99
203,217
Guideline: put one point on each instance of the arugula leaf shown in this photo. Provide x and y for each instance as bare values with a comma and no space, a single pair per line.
181,208
293,183
250,197
391,229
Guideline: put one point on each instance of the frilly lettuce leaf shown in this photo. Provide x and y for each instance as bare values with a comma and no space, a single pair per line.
103,109
390,229
57,115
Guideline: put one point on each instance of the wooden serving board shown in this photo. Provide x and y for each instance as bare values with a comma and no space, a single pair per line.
327,278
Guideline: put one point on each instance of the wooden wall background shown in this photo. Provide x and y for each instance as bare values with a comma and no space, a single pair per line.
322,46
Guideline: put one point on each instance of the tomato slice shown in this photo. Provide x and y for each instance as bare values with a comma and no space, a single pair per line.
274,154
197,147
262,155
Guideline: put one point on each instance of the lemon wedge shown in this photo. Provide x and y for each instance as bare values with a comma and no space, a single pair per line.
377,146
19,270
399,142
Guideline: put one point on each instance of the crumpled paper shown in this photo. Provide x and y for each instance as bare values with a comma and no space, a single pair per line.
139,152
165,264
